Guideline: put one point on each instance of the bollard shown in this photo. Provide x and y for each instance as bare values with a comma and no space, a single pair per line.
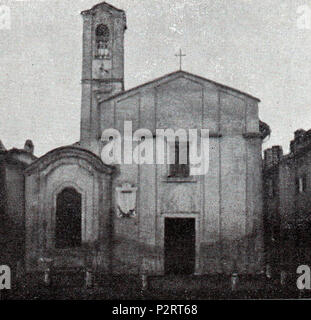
3,295
88,278
19,270
234,281
144,282
283,278
47,277
268,271
47,266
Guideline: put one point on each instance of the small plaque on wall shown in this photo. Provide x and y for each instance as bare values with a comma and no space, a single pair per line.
126,201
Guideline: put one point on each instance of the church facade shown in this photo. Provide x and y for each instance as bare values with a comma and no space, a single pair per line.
148,218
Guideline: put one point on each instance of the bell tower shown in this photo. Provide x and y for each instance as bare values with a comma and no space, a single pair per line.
103,62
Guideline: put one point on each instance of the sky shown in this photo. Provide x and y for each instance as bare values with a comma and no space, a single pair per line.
257,47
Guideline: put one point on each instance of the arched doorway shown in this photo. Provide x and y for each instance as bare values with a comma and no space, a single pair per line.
68,219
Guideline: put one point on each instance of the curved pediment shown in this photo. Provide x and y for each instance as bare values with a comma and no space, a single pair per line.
69,152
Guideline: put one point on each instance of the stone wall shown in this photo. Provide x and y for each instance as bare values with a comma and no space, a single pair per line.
288,222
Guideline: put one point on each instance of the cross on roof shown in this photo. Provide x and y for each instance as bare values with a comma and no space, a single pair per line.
180,55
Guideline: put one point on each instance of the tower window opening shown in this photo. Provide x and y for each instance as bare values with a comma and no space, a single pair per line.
102,41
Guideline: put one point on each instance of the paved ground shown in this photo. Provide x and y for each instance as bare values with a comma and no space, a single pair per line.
68,287
102,293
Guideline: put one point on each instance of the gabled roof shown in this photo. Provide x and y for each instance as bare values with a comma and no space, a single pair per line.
104,5
175,75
